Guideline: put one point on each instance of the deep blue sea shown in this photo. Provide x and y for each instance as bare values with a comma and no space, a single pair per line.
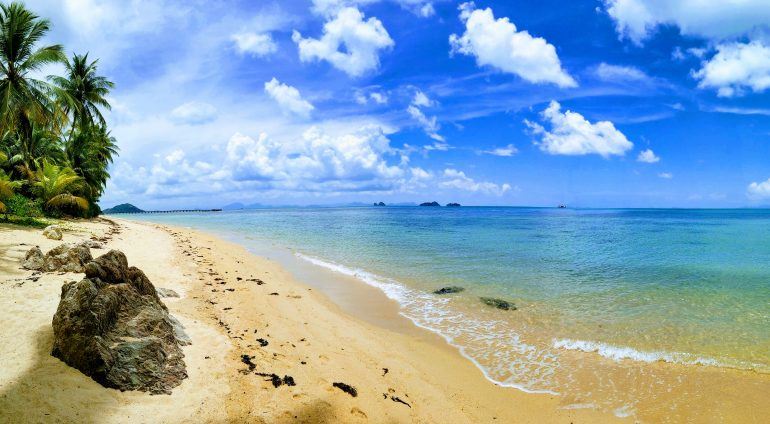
641,285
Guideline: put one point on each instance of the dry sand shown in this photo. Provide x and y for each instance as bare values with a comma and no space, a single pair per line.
401,373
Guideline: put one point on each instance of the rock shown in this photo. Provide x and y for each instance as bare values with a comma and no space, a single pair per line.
430,204
34,259
449,290
498,303
166,292
52,232
379,204
91,244
113,327
67,258
453,205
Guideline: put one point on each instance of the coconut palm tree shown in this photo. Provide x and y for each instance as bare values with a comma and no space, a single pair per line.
89,153
24,100
7,189
81,92
58,187
28,154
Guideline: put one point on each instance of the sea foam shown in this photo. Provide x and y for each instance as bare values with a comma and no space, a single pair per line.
618,353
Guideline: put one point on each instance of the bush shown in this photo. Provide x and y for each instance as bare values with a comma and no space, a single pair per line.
24,207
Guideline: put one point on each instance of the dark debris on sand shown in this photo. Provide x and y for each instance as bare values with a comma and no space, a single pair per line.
346,388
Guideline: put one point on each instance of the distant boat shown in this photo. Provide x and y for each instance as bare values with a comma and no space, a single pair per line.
562,206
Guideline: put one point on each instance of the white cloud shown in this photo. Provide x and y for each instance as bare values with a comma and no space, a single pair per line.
736,67
350,43
378,97
714,20
288,98
455,179
429,124
254,43
647,156
506,151
572,134
759,191
666,175
420,8
175,157
498,43
194,113
615,73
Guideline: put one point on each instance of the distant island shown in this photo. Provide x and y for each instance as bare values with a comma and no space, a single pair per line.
379,204
453,205
123,208
430,204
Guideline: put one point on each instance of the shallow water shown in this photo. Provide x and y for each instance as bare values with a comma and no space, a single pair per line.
681,286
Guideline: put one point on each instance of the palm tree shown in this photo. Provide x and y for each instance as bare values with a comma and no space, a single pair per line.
24,101
27,156
89,153
7,188
82,92
58,187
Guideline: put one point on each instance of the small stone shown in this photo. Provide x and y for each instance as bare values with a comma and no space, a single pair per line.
163,292
53,232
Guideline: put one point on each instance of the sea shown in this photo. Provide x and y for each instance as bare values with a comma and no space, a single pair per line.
627,291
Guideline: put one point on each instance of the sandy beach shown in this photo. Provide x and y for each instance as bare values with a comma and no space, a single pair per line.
229,298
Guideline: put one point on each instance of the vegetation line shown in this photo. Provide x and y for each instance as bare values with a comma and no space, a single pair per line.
55,147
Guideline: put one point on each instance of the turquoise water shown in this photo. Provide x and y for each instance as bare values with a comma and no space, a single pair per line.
686,286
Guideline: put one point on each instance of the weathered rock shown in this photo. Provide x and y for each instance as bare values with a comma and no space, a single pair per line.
34,259
52,232
91,244
498,303
113,327
65,258
449,290
163,292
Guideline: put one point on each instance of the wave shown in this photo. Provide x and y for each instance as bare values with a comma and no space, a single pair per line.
513,363
620,353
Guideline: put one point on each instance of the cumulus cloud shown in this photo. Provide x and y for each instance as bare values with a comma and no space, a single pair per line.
194,113
715,20
571,134
288,98
454,179
499,44
647,156
429,124
506,151
736,67
759,191
254,44
350,43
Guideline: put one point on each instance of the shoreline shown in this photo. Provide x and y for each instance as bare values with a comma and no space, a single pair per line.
399,377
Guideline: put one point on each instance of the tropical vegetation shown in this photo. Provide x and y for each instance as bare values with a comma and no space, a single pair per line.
55,146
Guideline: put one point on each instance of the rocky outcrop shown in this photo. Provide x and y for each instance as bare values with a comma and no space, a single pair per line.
498,303
113,327
91,244
448,290
34,259
52,232
163,292
64,258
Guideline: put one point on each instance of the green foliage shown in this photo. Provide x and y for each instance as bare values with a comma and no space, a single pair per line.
24,207
55,147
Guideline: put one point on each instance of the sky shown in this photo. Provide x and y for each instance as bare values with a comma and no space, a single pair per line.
589,103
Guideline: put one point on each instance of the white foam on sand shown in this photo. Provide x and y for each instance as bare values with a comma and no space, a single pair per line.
512,363
619,353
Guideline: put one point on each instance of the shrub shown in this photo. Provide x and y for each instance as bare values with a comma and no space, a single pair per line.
24,207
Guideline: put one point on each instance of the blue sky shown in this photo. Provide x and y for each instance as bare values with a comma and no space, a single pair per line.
619,103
